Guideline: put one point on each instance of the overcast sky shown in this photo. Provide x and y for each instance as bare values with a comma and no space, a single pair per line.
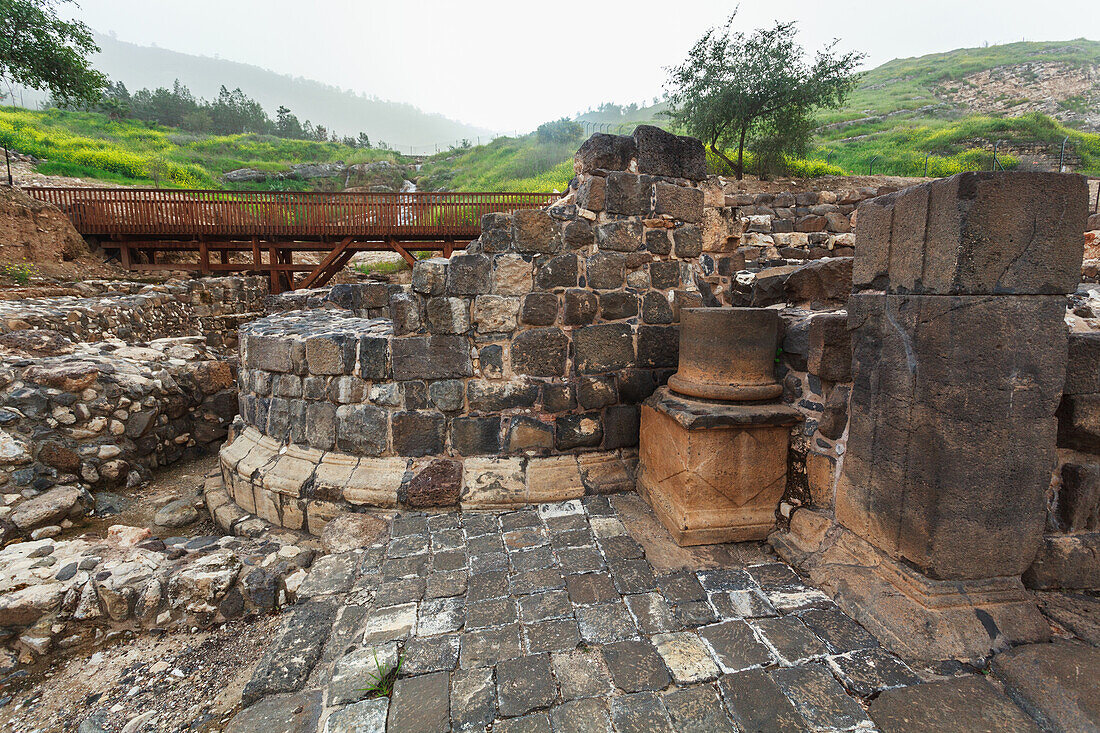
512,65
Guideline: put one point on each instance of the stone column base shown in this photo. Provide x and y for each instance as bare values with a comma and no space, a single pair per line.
713,472
916,616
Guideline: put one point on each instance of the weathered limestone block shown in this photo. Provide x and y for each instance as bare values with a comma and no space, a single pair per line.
556,478
975,233
489,483
713,472
951,433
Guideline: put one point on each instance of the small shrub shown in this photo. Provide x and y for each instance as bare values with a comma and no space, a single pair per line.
20,273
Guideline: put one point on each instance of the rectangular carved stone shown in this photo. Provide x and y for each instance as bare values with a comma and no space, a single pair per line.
713,472
975,233
431,357
951,435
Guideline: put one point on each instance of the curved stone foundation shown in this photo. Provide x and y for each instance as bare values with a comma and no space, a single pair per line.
302,488
509,374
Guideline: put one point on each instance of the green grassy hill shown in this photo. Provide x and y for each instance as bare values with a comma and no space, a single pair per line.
132,153
947,109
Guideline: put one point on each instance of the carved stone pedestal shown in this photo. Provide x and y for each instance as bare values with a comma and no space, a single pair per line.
918,616
713,471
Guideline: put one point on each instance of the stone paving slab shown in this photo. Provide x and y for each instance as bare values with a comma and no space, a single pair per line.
555,618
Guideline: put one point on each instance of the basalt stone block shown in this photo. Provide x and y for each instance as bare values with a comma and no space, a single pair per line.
636,385
269,353
491,361
603,348
331,353
321,425
581,307
617,305
830,347
661,153
936,238
539,309
439,483
414,395
620,426
418,433
529,434
497,396
468,274
540,352
679,202
620,236
535,232
834,418
596,392
1083,365
1079,422
590,194
558,397
447,394
448,315
429,277
820,283
811,223
496,233
374,357
1079,498
604,152
475,436
606,270
951,429
431,357
578,233
579,431
658,347
557,272
688,240
664,275
656,308
628,194
361,430
658,241
405,314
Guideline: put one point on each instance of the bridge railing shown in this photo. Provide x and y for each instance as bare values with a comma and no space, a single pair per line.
183,213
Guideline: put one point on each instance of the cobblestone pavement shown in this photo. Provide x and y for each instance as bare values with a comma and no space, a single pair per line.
553,618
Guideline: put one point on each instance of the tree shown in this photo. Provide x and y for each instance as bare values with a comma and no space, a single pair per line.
41,51
364,140
734,86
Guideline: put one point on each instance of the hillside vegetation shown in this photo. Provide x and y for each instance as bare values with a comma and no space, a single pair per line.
133,152
946,110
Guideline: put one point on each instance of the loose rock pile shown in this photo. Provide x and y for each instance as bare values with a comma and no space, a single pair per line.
98,416
68,593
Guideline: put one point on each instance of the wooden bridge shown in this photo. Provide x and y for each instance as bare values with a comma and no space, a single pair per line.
261,231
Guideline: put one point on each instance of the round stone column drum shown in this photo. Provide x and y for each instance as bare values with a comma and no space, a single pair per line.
727,354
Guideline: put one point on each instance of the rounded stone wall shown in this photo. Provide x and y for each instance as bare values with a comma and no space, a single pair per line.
508,374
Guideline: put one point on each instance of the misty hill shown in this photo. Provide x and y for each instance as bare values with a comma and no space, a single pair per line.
345,112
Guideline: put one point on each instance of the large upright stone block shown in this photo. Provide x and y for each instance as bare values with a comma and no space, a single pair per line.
958,365
951,434
975,233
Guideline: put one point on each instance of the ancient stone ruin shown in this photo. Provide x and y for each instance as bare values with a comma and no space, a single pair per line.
552,473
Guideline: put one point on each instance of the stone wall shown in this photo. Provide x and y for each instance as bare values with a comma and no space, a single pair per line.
100,415
511,373
209,307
